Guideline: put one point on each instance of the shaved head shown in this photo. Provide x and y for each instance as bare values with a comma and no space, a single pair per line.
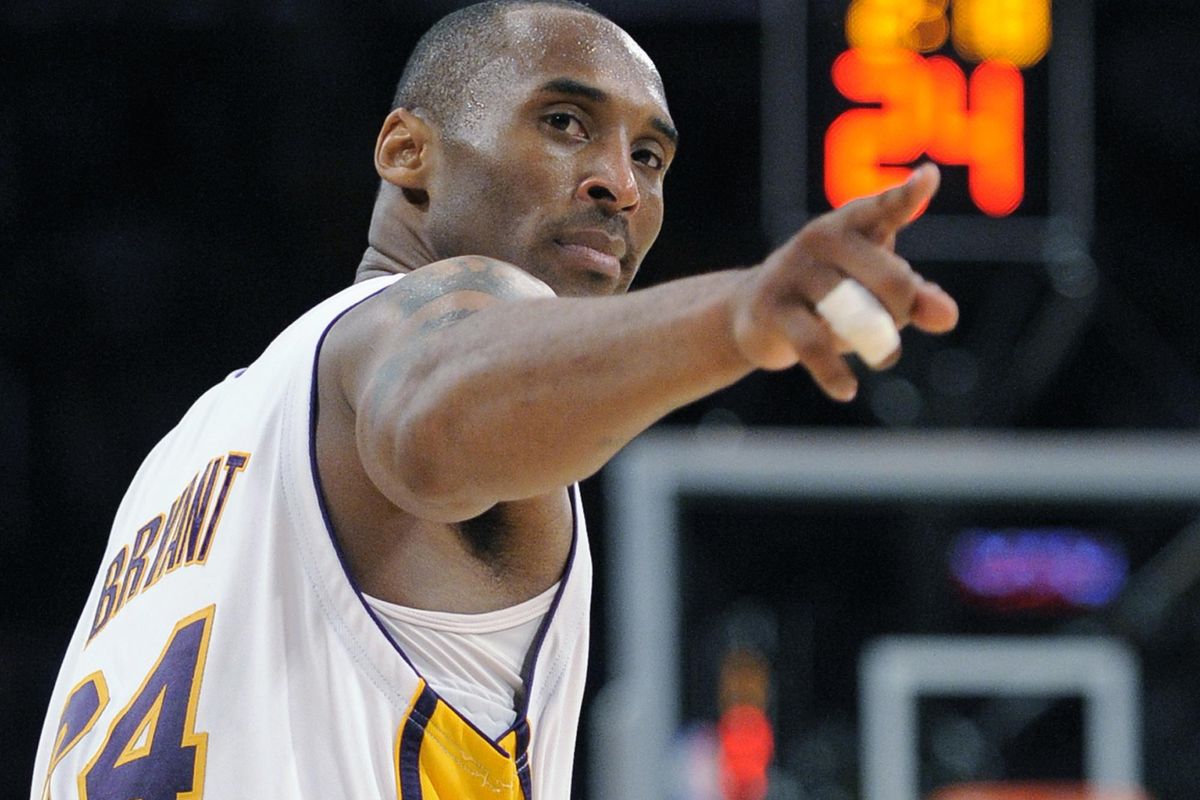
463,46
535,132
466,56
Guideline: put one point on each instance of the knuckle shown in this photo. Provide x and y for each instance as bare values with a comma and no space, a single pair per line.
899,286
807,236
813,346
819,235
767,306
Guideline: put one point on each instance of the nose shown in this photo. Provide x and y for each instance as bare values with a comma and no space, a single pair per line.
612,184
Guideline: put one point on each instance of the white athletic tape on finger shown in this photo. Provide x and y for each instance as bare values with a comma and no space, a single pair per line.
861,321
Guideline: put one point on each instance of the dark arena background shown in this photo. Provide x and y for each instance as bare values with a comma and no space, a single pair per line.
178,181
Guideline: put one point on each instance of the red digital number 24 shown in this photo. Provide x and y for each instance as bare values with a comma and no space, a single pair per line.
926,106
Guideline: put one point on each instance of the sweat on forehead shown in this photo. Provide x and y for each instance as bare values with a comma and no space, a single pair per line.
567,39
462,58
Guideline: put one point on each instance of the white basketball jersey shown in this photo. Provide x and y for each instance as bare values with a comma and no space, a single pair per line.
225,652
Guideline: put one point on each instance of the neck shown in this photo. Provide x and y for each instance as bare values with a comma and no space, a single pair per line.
376,264
396,244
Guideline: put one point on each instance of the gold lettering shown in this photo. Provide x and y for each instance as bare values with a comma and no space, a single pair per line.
142,543
109,602
177,534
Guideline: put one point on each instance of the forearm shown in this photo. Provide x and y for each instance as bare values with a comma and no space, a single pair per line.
523,397
475,387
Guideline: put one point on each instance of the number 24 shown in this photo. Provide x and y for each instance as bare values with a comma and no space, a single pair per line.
152,750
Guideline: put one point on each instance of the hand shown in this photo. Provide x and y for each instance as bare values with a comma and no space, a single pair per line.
775,323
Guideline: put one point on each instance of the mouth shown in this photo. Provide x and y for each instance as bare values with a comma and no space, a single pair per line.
593,250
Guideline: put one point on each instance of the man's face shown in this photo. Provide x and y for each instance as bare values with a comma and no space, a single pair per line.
558,163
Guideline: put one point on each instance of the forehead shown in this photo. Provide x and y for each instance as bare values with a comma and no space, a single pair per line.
545,44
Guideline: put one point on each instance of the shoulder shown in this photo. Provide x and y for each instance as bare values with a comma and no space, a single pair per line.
464,280
425,300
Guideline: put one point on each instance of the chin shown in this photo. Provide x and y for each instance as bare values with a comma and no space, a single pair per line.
575,283
595,285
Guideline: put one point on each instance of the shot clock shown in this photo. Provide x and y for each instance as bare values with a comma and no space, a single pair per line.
856,93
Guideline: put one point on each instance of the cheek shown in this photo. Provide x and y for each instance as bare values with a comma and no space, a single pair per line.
649,222
476,208
514,182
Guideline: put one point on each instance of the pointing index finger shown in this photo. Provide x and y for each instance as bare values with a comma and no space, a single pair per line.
889,211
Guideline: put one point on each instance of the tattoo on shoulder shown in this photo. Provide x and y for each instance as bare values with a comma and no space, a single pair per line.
462,274
446,319
467,274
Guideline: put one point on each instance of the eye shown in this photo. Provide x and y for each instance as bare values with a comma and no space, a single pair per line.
648,157
567,123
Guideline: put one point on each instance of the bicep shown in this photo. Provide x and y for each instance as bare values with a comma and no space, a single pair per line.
382,359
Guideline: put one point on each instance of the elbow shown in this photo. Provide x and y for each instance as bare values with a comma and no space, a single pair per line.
409,458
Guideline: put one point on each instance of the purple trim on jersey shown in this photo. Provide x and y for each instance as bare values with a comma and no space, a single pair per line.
522,705
535,648
522,761
313,411
413,736
410,743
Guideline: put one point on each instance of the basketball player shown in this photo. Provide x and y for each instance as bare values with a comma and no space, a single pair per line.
359,568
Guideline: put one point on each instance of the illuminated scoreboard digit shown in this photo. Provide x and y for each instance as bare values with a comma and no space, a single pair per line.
927,104
857,93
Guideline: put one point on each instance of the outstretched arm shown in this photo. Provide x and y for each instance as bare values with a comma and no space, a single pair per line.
471,384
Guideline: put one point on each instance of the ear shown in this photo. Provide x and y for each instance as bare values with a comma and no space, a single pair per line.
403,152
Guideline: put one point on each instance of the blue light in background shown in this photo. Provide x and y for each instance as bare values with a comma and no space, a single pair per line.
1038,568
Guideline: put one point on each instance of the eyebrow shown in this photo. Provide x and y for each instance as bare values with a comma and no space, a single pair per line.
574,88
